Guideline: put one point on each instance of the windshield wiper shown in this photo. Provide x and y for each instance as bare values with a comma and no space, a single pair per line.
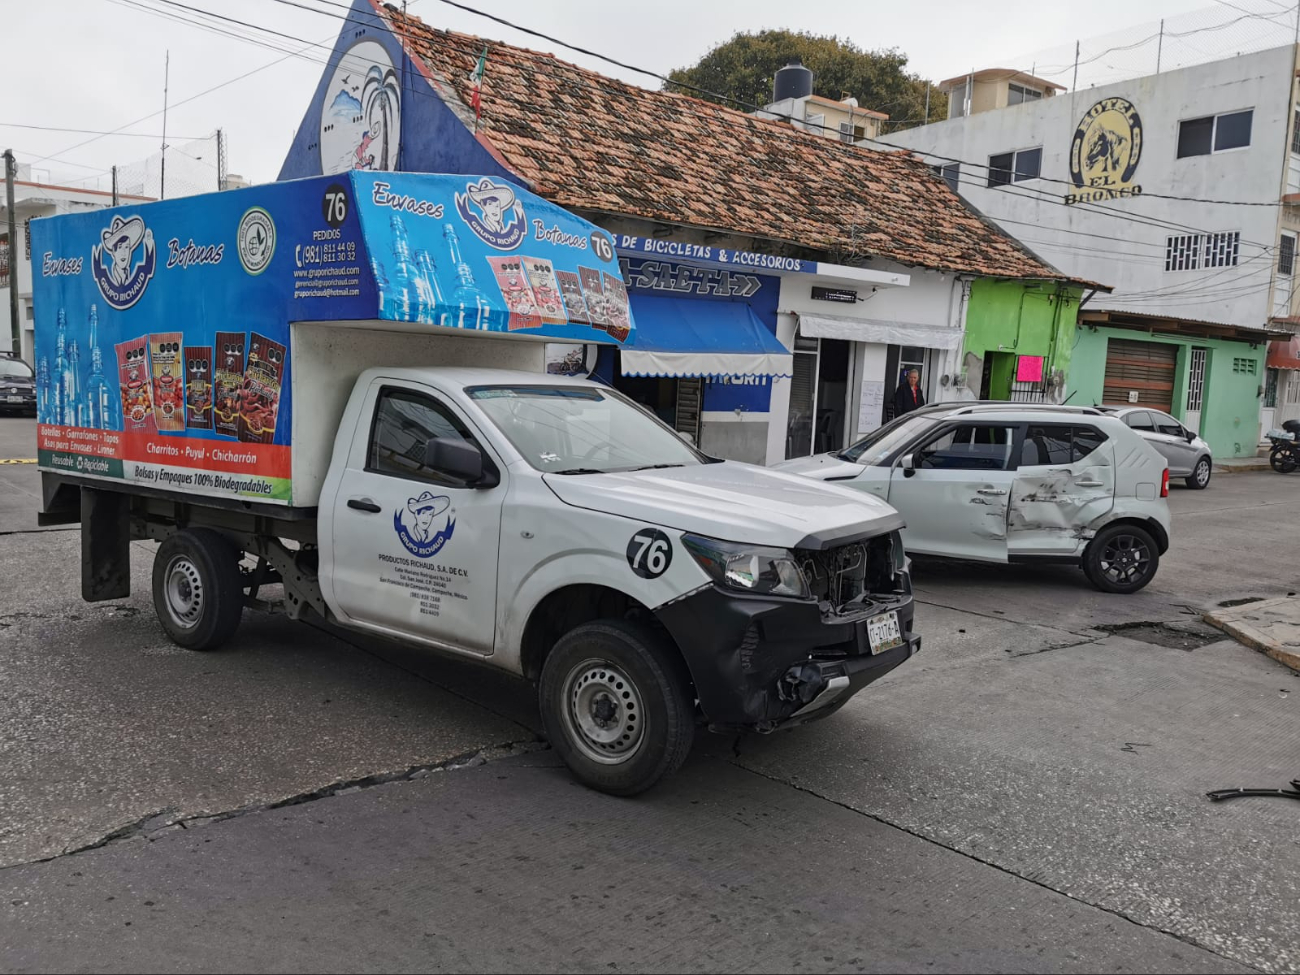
577,470
656,467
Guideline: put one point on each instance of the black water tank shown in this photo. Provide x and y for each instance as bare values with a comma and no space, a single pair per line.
792,81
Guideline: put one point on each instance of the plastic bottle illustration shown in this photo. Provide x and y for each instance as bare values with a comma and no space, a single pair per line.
406,299
43,389
99,400
60,369
72,405
429,284
467,299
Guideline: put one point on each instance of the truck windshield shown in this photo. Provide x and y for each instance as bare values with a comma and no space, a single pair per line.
14,367
581,429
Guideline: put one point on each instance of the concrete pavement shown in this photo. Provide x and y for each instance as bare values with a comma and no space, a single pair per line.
1027,794
1271,626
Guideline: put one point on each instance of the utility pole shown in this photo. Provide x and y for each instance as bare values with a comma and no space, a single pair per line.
114,186
162,177
1160,45
221,160
1075,84
11,173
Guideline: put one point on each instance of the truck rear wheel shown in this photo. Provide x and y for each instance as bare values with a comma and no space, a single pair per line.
198,593
616,707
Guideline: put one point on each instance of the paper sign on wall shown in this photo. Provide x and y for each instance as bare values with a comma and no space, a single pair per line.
870,407
1029,369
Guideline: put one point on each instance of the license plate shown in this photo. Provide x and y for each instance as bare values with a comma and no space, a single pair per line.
883,632
15,399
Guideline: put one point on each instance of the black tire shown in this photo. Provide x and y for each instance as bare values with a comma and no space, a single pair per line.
1199,479
1121,559
198,592
1282,461
616,706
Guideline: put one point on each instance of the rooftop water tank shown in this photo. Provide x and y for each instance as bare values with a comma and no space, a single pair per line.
792,81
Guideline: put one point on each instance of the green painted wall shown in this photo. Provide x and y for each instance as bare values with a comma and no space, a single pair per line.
1229,403
1025,319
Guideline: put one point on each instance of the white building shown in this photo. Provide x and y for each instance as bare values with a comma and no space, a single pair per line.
1181,190
32,201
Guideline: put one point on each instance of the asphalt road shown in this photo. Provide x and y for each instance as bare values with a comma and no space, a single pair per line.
1026,795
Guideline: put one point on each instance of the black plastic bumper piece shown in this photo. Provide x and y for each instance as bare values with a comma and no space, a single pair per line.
761,664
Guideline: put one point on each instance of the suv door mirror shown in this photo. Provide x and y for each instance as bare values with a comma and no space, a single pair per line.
1189,435
908,463
455,458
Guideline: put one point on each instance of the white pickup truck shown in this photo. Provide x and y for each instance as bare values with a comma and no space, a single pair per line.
541,524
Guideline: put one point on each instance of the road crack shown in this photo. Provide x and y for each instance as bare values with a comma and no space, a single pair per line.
1032,877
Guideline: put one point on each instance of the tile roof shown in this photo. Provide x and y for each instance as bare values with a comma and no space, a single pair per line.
591,142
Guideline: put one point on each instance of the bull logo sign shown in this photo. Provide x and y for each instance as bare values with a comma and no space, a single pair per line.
420,525
1105,152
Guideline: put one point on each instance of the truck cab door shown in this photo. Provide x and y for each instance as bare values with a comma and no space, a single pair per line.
954,493
1065,481
413,551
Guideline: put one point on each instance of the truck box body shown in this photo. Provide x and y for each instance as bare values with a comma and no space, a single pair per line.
207,345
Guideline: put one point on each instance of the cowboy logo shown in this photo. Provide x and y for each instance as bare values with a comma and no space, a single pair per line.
122,279
1105,152
498,215
415,522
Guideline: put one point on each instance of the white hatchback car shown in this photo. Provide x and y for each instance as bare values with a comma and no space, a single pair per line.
1007,482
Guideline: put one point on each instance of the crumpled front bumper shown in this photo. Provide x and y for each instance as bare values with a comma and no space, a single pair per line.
760,664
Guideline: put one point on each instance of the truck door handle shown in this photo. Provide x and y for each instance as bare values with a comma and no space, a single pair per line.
995,491
364,504
1089,483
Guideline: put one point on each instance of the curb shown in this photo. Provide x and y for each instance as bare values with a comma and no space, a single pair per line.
1248,635
1241,468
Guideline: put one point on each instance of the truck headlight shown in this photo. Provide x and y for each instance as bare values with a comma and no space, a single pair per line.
748,568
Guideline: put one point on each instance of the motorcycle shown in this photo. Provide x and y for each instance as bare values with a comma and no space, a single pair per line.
1284,455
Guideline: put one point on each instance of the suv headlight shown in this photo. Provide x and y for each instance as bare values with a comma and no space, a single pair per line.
749,568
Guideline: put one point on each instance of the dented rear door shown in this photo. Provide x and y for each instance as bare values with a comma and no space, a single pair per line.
1064,483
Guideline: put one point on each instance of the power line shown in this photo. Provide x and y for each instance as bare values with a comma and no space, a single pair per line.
57,128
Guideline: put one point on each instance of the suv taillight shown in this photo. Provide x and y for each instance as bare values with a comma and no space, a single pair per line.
1164,483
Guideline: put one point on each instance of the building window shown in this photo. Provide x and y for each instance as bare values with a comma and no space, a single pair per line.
851,133
1245,366
957,102
1221,249
1021,165
1183,253
1295,133
1190,252
1286,254
814,123
951,174
1214,133
1019,93
1270,388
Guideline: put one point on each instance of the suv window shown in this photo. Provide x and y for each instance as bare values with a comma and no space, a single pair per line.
970,446
1139,420
1058,444
404,422
876,447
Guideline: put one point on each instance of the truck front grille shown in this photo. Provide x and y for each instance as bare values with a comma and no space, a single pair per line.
840,577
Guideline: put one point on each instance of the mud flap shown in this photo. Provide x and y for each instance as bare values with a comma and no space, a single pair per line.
105,545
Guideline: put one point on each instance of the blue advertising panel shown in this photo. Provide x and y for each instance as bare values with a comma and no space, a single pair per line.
163,352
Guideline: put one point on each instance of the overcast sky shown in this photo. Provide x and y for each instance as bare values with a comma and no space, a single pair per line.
98,64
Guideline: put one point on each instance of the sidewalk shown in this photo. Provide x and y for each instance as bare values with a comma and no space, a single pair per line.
1271,626
1239,465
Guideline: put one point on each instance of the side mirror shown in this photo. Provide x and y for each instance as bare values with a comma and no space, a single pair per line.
1189,435
455,458
908,464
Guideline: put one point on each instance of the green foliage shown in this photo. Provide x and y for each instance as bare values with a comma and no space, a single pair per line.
743,68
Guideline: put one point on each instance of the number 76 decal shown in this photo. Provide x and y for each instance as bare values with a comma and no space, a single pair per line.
649,553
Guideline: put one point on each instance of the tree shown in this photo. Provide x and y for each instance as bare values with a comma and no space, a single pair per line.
739,72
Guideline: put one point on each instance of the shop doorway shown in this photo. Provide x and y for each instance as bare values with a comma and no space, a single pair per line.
678,402
998,370
899,361
819,393
1140,373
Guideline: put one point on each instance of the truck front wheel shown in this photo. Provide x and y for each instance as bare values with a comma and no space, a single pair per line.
197,590
615,703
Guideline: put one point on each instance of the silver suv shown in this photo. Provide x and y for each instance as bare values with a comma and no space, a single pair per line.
1188,455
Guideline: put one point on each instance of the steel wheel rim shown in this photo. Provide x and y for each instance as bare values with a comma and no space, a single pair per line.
1126,559
184,592
1203,472
604,716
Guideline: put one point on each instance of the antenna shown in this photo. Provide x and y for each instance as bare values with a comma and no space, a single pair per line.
162,178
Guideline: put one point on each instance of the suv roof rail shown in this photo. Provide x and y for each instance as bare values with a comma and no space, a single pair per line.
1026,407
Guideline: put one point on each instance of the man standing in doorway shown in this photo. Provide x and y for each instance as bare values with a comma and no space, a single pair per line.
908,396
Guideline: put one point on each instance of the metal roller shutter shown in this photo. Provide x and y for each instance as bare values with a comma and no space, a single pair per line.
1146,368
